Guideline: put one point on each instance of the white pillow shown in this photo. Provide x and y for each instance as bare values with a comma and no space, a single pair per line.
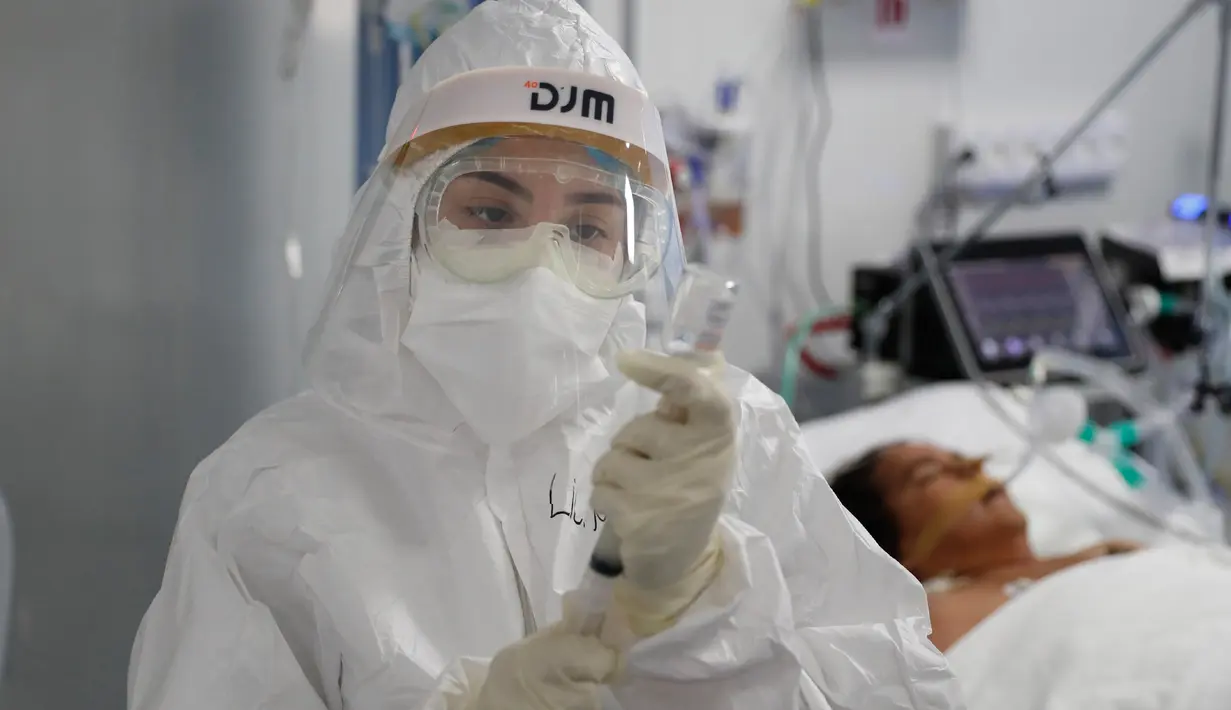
1063,515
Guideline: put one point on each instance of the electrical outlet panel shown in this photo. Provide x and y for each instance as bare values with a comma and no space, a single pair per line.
991,157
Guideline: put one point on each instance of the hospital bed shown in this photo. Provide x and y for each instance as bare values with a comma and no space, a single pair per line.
1064,515
1138,632
998,666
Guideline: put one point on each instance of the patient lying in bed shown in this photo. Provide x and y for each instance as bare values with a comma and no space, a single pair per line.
953,527
1095,630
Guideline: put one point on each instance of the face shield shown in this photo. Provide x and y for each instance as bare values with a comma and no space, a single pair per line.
498,179
509,204
544,168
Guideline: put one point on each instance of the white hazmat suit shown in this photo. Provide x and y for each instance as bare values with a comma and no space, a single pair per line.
369,543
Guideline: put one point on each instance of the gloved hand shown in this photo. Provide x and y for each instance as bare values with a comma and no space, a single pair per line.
555,669
663,485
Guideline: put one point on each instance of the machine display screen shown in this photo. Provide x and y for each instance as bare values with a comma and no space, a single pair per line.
1012,307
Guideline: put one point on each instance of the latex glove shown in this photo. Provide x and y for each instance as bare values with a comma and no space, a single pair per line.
555,669
663,485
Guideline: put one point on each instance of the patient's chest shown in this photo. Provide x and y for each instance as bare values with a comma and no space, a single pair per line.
956,611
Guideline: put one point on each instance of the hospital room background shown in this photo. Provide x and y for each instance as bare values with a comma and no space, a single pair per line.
178,171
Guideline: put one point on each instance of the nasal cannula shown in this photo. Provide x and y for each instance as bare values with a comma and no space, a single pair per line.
702,310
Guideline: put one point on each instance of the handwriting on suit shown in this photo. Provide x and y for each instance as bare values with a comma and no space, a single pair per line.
569,508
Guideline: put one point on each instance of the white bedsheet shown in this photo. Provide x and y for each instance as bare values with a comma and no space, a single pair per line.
1148,631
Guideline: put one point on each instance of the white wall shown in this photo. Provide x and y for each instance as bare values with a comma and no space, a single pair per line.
324,100
312,175
157,164
958,57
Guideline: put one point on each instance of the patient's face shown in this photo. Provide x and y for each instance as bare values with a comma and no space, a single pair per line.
924,485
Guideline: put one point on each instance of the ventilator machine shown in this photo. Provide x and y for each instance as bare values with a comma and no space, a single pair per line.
1034,312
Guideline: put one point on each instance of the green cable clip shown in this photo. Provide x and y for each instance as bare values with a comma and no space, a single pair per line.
1168,304
1126,435
795,348
1132,477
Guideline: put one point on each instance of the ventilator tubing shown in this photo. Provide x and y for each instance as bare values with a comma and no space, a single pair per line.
1152,417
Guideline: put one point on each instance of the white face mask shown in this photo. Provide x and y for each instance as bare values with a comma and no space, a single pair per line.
512,356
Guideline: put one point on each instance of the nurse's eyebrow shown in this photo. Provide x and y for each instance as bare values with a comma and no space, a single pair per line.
595,198
504,182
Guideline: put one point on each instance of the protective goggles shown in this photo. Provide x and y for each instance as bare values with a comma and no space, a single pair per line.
489,216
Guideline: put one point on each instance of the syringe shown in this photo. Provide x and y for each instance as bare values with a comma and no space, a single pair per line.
702,310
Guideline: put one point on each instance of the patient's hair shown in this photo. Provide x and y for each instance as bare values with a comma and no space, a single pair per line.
856,487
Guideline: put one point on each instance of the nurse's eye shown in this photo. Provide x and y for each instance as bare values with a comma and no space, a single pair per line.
490,215
587,234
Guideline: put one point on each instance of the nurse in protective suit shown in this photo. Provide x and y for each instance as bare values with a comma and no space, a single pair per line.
405,535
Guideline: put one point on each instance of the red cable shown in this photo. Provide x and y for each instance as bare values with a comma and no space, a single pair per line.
814,364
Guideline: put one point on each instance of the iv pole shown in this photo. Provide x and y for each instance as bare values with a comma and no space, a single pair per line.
1210,302
875,324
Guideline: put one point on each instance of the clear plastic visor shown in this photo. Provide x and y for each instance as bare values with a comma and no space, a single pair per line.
497,210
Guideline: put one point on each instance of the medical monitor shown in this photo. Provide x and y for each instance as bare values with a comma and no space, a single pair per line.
1017,294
